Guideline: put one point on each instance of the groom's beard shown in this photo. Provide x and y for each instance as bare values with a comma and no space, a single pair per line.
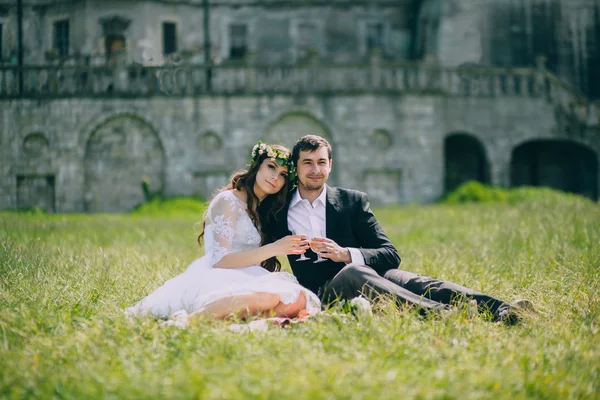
314,186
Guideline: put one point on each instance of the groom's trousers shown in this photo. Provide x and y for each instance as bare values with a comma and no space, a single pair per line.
406,288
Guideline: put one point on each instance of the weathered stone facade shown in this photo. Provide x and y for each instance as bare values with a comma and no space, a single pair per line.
83,138
96,152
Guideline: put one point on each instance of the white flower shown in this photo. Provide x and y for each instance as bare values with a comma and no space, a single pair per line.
361,306
254,149
282,156
261,151
271,153
263,146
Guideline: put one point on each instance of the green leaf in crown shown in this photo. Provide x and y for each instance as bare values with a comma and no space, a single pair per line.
279,157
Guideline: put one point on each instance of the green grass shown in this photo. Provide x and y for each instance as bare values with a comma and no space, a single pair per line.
64,280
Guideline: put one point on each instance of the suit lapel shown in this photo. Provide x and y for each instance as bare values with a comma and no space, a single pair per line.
331,212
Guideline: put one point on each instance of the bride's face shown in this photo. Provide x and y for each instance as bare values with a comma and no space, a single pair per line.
270,178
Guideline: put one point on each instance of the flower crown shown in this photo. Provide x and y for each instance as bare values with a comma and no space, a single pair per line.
282,159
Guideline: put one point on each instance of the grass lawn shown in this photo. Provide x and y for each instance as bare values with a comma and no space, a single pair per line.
64,280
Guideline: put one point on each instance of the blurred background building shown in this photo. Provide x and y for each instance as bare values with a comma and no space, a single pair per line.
100,98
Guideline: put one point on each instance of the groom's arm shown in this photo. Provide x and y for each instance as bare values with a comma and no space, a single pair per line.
376,248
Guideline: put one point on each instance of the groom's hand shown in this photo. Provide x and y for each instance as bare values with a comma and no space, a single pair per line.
330,249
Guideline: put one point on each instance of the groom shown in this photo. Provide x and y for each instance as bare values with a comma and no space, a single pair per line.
359,257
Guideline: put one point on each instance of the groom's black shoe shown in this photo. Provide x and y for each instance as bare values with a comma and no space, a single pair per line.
515,311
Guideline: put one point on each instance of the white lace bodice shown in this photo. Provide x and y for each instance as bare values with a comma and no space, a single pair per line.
228,227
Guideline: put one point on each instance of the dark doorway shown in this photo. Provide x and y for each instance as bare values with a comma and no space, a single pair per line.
559,164
464,160
36,191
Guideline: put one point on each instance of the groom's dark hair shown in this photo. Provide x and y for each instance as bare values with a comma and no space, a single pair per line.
309,143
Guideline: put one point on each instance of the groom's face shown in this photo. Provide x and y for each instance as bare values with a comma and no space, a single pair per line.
313,168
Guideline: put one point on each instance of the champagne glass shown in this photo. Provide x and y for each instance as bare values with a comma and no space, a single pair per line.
302,256
319,259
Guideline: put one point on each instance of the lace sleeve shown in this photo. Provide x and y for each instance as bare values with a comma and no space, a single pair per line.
221,220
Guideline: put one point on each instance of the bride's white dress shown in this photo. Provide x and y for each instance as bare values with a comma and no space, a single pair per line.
228,229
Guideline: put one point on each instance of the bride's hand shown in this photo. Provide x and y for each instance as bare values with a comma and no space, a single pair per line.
292,244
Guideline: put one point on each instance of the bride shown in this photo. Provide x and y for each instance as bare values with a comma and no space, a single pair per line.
238,275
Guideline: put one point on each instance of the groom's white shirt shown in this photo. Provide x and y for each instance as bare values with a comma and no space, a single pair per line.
304,217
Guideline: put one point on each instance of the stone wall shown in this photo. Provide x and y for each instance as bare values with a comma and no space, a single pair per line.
92,155
512,33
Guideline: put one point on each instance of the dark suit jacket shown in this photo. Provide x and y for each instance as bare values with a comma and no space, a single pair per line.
350,223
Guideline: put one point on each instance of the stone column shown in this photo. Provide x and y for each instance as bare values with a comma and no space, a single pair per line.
500,165
374,64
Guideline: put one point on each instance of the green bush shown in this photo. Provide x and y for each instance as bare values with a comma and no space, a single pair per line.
27,211
530,194
477,192
171,207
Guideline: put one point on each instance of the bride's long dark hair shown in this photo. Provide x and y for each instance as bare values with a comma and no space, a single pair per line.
269,208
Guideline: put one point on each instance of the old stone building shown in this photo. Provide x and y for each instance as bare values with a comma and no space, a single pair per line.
416,96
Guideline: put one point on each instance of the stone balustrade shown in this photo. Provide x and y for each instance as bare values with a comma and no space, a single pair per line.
311,78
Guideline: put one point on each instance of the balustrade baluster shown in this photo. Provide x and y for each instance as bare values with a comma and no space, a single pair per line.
385,78
524,85
180,79
434,79
458,84
66,81
497,85
304,73
399,78
138,80
251,79
94,84
7,81
410,79
35,85
510,85
26,81
9,78
279,81
186,72
486,85
3,82
266,80
38,81
86,77
52,81
421,78
76,84
552,90
362,80
346,80
444,81
202,79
